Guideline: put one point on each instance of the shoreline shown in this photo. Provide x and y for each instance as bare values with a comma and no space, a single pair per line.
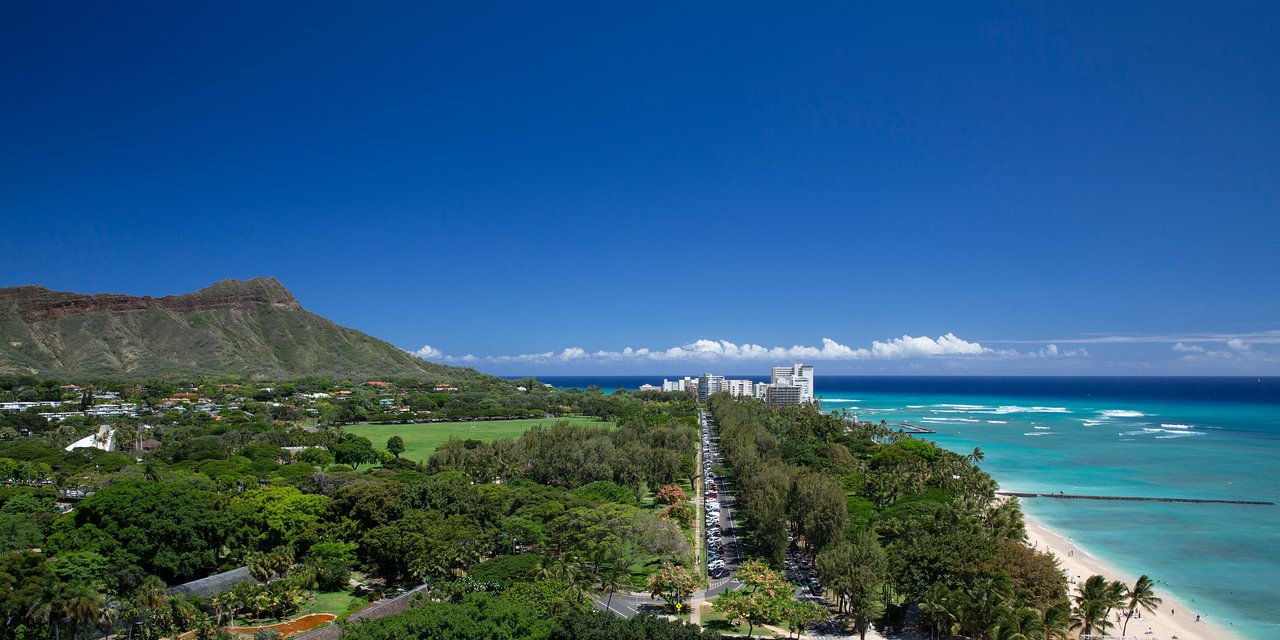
1079,564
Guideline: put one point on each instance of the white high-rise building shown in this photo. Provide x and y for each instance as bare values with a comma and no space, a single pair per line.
709,384
799,375
677,385
740,388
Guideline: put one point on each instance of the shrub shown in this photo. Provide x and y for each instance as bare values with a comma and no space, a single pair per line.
671,494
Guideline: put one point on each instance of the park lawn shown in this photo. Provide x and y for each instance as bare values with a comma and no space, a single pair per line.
335,602
713,621
421,440
638,574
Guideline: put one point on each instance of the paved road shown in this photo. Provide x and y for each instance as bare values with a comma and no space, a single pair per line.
798,569
727,503
627,604
729,527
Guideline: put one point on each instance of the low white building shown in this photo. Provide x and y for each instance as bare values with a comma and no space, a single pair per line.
761,390
104,438
15,407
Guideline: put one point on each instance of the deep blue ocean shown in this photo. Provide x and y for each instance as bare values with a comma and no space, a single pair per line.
1213,438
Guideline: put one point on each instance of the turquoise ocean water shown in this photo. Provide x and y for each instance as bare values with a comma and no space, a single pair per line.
1222,560
1188,438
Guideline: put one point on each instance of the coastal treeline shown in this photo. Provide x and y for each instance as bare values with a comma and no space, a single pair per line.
889,521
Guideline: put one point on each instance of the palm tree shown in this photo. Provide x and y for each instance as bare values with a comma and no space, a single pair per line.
112,611
611,578
151,593
82,605
1056,621
239,598
182,613
219,604
151,596
1142,595
983,605
546,569
1094,603
1116,594
1023,623
976,457
939,610
279,560
259,567
617,571
46,609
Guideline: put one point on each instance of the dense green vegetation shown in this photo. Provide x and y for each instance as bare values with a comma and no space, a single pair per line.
889,522
485,617
532,523
513,534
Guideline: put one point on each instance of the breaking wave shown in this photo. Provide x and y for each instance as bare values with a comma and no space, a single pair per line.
1121,413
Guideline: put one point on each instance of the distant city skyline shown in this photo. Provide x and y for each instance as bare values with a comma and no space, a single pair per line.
1026,189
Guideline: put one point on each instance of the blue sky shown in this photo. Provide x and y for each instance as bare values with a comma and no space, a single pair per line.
511,181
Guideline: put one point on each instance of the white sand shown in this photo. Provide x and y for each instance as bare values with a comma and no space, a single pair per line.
1162,625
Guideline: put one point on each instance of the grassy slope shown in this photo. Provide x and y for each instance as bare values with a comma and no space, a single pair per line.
420,440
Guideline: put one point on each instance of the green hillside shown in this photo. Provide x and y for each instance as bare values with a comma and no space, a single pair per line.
252,328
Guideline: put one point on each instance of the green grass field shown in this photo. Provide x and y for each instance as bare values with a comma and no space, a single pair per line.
420,440
712,620
335,602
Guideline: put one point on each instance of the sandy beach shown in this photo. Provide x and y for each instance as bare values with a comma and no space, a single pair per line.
1173,619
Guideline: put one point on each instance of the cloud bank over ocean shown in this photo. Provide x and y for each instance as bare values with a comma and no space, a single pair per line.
1129,354
707,350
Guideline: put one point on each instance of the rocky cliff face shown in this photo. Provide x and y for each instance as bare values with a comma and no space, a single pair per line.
38,304
250,328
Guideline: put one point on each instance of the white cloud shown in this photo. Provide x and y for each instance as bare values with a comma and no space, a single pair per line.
1271,336
910,347
1052,351
905,347
1237,351
428,352
912,350
526,357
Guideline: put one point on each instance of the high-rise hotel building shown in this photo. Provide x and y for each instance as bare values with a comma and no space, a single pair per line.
796,375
